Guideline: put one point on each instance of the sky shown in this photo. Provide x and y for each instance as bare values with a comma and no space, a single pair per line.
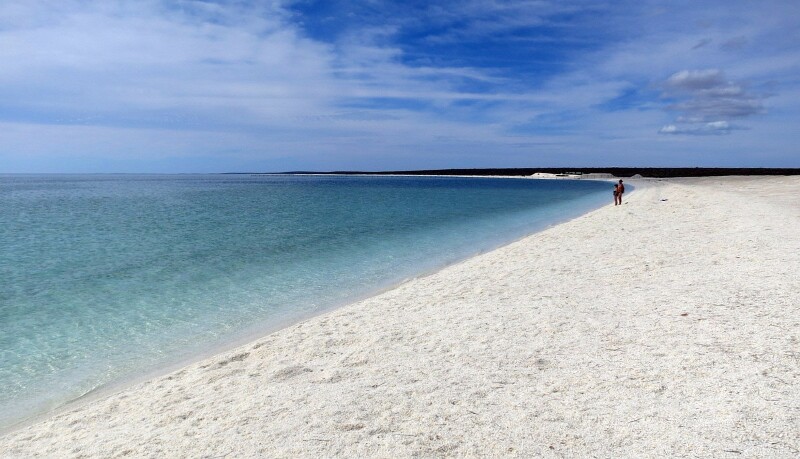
267,86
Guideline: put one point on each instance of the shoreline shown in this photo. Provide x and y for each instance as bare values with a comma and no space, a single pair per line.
574,340
253,334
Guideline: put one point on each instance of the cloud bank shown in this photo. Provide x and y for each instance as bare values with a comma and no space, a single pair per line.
707,102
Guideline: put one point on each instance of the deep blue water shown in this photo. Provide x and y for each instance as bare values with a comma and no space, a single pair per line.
103,277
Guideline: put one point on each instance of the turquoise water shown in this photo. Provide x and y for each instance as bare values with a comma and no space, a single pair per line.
104,277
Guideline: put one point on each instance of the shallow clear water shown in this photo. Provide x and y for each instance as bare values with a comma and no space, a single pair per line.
103,277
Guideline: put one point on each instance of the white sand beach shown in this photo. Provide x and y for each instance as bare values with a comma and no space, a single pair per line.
667,327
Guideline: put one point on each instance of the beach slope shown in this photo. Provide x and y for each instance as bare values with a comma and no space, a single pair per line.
668,326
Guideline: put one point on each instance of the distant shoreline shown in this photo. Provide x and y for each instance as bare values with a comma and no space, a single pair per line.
651,172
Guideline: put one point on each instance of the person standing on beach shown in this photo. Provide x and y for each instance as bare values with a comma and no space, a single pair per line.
621,190
616,194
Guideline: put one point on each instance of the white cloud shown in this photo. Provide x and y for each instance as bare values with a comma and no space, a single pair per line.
707,98
150,64
694,80
712,128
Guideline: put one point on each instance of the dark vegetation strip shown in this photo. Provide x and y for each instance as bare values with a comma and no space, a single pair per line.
657,172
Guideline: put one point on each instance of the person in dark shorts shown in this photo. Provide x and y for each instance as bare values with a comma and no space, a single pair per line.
619,188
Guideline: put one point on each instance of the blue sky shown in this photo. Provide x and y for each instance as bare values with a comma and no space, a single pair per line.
215,86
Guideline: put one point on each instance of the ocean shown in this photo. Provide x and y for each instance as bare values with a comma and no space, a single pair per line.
104,278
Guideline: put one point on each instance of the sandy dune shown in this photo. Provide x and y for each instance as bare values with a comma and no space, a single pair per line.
669,326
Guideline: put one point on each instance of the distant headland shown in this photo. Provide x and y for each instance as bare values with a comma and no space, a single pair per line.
653,172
